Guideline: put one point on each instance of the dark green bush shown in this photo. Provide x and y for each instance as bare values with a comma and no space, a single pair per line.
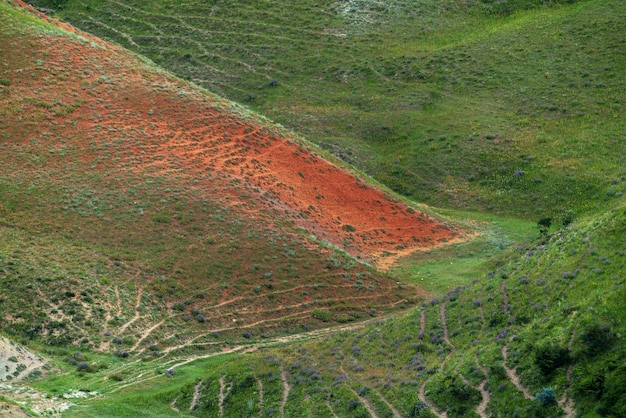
549,357
597,339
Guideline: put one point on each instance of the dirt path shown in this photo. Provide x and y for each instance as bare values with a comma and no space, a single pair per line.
481,409
505,296
141,379
259,382
196,396
286,390
421,394
291,338
118,301
566,403
332,411
173,406
146,334
446,337
366,403
442,316
513,375
137,314
224,392
394,411
422,322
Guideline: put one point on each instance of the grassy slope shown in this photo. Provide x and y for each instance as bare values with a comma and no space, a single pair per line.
563,331
473,105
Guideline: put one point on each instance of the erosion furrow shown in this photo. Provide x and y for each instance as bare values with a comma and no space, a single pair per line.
511,373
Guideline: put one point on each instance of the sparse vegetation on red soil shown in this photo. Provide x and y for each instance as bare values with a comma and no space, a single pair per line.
96,93
182,191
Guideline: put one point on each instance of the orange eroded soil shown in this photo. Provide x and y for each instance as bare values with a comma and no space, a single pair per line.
159,125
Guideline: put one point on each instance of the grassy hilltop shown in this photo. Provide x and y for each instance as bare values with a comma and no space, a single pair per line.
167,252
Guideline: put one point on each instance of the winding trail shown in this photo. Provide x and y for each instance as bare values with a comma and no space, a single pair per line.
366,403
442,316
140,377
146,334
566,403
481,409
118,301
513,375
137,314
332,411
394,411
286,390
422,389
173,406
261,401
224,392
505,296
196,396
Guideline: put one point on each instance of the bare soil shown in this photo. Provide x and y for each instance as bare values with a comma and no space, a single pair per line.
16,362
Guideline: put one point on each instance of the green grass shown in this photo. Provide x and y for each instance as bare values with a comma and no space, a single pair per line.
442,269
150,396
564,311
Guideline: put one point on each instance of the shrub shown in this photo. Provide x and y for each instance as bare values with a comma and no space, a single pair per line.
550,357
546,397
353,404
116,377
179,306
83,367
419,410
597,338
321,314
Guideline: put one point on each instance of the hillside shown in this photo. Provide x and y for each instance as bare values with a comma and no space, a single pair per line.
541,335
142,214
514,107
165,251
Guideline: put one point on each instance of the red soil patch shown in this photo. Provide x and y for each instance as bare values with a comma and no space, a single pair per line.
160,125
